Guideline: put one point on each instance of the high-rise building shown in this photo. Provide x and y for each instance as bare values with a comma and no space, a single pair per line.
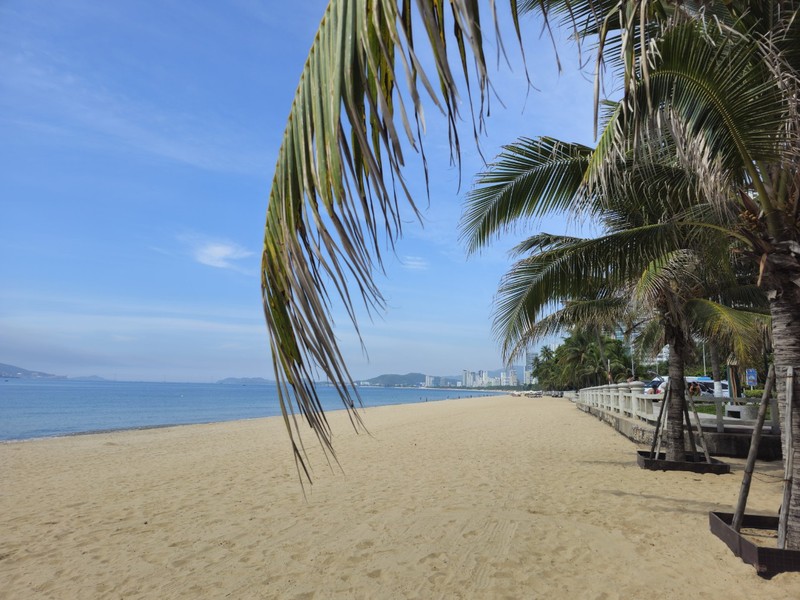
530,357
512,377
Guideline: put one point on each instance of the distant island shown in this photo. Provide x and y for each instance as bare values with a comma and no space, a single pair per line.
392,380
11,371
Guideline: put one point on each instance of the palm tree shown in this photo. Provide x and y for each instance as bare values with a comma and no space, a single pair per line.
545,369
727,88
656,253
583,361
338,172
579,357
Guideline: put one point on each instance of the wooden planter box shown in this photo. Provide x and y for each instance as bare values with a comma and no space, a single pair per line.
767,561
695,464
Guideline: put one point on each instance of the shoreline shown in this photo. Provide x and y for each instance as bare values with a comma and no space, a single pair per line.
170,425
473,498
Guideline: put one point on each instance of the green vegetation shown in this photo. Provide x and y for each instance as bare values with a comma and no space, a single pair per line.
693,179
581,360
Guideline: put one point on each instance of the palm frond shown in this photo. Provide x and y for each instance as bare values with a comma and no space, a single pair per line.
563,268
742,330
334,196
530,178
661,276
650,339
750,296
722,102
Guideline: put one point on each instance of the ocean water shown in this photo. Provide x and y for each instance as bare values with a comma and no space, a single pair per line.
46,408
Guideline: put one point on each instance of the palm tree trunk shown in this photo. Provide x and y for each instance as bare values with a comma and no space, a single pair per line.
785,310
674,429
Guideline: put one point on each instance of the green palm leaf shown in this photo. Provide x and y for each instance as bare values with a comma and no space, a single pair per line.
334,196
530,178
742,330
563,268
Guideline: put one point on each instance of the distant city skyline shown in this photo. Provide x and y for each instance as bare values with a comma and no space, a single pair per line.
138,142
480,378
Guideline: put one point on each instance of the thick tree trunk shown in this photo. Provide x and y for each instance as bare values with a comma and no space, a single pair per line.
676,449
785,310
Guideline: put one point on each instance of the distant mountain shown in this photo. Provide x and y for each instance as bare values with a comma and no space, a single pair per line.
8,371
245,381
407,380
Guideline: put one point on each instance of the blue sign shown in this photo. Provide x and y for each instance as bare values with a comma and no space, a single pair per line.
751,376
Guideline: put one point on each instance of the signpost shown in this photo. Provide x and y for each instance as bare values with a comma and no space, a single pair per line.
751,375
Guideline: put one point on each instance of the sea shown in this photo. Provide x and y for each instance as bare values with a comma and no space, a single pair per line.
38,408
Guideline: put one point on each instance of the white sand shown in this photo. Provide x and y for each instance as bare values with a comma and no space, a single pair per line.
479,498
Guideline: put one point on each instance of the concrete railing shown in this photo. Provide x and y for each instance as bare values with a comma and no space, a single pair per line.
630,400
627,399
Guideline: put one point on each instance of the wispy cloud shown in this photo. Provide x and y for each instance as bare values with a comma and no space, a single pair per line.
219,254
61,101
414,263
222,254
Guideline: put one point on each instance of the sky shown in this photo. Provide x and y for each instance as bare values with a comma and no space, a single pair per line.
137,146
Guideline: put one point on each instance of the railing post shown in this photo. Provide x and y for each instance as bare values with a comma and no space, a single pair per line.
637,389
719,403
625,406
618,402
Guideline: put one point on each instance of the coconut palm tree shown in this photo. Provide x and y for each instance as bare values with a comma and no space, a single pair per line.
727,89
661,250
338,174
584,361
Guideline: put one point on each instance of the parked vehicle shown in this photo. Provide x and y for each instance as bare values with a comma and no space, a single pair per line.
707,388
706,385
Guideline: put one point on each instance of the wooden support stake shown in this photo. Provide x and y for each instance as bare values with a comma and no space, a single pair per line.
699,430
692,443
744,491
665,404
783,518
658,427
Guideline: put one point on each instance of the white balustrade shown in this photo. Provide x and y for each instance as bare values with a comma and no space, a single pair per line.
629,399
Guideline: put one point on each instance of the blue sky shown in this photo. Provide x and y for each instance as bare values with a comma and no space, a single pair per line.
137,144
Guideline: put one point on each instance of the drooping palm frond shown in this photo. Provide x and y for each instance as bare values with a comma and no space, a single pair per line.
563,268
748,295
603,313
724,106
650,339
336,193
530,178
741,330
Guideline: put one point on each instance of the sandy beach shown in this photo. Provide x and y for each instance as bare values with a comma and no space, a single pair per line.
498,497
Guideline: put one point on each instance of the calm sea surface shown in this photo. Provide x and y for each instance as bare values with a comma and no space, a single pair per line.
45,408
